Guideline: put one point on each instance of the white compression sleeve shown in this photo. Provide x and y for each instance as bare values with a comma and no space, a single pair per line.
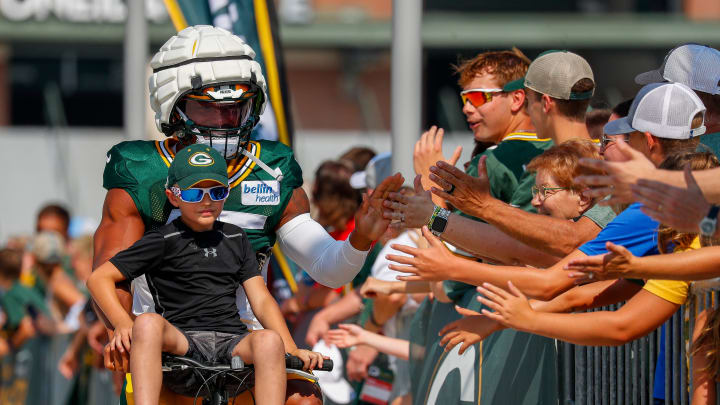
328,261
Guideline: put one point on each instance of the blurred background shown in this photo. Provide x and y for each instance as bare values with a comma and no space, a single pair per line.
62,76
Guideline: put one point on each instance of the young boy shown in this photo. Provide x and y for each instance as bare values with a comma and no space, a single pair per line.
193,266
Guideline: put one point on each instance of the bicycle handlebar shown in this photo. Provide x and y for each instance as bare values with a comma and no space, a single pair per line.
294,362
291,361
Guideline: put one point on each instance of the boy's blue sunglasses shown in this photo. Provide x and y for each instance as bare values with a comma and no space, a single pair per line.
195,195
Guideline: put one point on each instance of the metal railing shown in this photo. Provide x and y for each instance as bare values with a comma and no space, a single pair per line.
625,375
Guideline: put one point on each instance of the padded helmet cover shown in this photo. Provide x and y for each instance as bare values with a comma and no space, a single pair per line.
197,57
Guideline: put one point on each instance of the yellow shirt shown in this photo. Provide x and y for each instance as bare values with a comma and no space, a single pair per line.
672,290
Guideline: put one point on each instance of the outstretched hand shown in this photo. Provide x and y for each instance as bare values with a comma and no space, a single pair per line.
409,211
471,329
617,263
618,177
429,264
347,336
678,207
512,308
470,195
428,150
372,287
369,221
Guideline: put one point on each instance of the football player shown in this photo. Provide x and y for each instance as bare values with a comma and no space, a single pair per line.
207,88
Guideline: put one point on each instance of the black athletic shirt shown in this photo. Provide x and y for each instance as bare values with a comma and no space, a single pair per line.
193,276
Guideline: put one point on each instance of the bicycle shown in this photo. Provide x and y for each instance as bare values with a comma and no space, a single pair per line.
186,380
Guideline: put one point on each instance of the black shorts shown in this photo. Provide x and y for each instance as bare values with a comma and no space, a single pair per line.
211,347
207,347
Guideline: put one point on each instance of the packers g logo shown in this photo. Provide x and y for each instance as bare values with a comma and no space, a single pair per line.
201,159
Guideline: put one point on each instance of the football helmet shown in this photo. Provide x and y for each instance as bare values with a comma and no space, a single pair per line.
207,88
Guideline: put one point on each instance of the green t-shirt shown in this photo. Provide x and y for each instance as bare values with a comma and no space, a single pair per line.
141,168
712,141
505,164
18,302
601,215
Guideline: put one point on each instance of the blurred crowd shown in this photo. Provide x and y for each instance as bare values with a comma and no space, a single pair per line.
43,295
560,208
555,212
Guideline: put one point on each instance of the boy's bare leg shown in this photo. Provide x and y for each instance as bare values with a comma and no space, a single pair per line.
265,350
151,335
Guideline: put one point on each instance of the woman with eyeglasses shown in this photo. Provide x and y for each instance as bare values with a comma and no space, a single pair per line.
554,193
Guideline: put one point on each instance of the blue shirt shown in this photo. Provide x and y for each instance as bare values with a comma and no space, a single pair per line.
631,229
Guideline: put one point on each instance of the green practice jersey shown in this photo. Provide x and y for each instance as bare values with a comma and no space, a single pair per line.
506,167
256,202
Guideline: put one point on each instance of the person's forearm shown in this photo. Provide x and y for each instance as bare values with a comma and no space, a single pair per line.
486,240
708,180
103,293
410,287
593,295
554,236
591,328
347,306
535,283
700,264
386,306
270,317
399,348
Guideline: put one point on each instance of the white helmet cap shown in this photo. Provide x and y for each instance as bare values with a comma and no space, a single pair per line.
197,57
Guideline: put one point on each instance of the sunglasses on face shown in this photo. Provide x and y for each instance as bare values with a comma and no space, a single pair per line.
543,191
195,195
478,97
606,140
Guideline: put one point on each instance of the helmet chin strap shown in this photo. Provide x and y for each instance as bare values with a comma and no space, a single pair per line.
276,173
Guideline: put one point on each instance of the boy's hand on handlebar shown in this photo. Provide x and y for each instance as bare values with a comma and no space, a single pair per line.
311,360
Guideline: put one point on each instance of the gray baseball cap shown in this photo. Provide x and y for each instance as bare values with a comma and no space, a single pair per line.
666,110
696,66
555,73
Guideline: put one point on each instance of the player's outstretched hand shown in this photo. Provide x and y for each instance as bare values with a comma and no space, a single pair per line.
369,221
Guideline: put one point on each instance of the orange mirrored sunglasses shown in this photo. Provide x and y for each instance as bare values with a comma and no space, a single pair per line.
478,97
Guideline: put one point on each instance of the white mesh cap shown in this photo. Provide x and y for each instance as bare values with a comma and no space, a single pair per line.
666,110
199,56
696,66
555,73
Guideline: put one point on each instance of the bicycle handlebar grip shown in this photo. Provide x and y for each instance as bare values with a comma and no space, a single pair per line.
297,364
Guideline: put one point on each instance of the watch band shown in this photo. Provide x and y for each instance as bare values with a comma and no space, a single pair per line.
708,225
438,227
713,213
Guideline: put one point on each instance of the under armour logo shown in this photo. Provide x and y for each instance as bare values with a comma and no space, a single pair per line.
209,252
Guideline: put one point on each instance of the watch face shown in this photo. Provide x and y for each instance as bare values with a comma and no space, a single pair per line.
439,224
707,227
